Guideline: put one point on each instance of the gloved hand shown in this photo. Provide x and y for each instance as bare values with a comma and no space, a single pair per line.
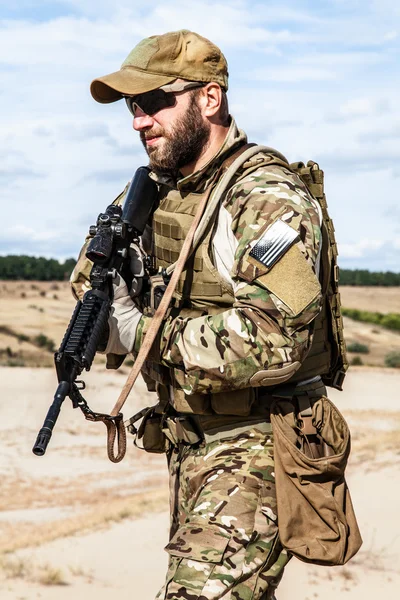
137,269
123,320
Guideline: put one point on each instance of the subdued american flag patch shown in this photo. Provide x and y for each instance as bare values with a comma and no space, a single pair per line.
274,242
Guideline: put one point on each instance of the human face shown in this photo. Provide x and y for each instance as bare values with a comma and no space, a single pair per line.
175,136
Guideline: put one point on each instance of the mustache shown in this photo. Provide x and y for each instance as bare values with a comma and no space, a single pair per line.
151,133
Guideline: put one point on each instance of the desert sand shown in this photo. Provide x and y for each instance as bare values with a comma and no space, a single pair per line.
74,525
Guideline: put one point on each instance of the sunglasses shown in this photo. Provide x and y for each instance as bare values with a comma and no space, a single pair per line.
152,102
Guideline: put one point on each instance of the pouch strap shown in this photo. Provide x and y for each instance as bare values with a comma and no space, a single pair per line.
304,416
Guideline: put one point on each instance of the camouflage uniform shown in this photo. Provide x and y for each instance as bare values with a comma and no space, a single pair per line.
224,533
237,327
259,331
225,540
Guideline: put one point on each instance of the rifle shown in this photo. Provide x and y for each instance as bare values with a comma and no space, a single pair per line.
108,249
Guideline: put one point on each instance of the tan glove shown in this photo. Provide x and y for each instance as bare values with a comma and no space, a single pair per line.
123,320
137,269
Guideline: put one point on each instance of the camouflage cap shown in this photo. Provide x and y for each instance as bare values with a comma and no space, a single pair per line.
160,59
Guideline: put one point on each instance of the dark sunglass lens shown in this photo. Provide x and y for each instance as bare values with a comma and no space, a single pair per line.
151,102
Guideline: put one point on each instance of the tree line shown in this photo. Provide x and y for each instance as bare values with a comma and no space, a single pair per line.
49,269
365,277
30,268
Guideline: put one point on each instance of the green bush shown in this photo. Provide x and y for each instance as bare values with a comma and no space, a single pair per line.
43,341
392,359
389,321
18,361
21,337
356,361
358,347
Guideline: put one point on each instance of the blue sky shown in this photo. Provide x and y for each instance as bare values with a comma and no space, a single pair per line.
314,80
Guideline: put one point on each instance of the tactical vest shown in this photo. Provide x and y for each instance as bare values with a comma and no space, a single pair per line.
200,286
201,291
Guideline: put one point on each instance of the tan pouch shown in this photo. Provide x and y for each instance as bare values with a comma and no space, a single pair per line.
151,434
315,513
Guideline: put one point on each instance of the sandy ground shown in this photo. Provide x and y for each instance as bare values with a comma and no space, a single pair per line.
74,525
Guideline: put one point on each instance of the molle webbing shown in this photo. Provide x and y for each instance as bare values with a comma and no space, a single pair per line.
199,280
327,356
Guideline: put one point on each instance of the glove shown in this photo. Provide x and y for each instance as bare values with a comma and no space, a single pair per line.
137,269
123,320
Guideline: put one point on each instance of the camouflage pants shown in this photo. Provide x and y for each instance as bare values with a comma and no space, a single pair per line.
224,534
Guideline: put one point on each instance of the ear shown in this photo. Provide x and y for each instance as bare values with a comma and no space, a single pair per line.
211,99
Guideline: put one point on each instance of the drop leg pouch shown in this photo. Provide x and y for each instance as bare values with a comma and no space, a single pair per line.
315,513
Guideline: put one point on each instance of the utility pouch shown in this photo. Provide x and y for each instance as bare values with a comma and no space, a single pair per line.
315,513
150,431
151,434
156,288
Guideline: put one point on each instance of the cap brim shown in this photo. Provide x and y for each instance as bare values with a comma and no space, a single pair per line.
126,82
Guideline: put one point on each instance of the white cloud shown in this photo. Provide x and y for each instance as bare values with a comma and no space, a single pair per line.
29,234
390,36
293,74
361,248
359,107
302,80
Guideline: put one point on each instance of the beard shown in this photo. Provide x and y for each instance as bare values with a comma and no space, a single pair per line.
182,144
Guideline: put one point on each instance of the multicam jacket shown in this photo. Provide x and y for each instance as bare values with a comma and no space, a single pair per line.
259,325
260,322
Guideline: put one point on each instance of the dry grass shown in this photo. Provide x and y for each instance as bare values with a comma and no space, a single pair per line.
101,515
33,308
16,568
29,309
22,568
82,491
375,438
49,575
380,341
373,444
379,299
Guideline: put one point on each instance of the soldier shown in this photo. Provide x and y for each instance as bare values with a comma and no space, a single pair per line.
242,321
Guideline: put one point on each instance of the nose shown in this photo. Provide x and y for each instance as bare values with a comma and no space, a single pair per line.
141,120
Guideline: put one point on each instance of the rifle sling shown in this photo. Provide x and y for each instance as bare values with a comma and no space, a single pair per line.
159,315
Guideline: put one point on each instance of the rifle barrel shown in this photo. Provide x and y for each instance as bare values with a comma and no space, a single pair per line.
44,434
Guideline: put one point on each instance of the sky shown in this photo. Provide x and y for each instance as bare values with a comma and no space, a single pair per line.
315,80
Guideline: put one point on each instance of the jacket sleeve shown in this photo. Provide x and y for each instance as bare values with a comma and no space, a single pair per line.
268,328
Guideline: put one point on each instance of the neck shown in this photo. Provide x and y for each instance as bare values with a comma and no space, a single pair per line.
217,137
